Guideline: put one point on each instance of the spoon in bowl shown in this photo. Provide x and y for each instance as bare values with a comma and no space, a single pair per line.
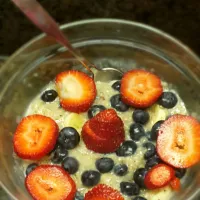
39,16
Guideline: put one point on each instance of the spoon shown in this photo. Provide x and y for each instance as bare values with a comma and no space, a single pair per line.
39,16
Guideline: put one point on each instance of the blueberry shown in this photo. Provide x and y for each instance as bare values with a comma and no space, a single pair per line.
139,176
140,116
127,148
152,162
148,135
59,154
31,167
104,165
116,85
129,189
49,95
117,103
136,131
69,138
151,150
179,173
78,196
70,164
121,169
168,100
155,129
139,198
90,178
94,110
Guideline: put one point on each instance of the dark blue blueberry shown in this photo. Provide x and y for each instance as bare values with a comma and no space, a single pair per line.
127,148
78,196
70,164
104,165
136,131
139,198
139,176
121,170
69,138
90,178
140,116
116,85
31,167
152,162
168,100
151,150
59,154
117,103
179,173
94,110
49,95
129,189
155,129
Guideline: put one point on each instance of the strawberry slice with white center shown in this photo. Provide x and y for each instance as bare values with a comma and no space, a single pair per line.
50,182
76,90
178,142
140,88
35,137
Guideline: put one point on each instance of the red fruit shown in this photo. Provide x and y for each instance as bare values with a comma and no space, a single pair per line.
76,90
159,176
178,142
140,88
35,137
50,182
175,184
103,192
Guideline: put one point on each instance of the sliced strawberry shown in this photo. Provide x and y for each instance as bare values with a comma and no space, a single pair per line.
50,182
103,192
175,184
159,176
140,88
35,137
76,90
178,142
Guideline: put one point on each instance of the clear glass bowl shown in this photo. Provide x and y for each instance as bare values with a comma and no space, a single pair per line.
107,43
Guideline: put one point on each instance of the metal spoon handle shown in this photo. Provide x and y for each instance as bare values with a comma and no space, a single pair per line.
39,16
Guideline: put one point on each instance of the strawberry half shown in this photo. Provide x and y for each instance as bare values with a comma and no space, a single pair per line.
50,182
159,176
103,136
35,137
178,142
103,192
76,90
140,88
175,184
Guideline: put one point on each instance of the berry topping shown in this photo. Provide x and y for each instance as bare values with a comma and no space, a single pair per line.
94,110
69,138
121,170
129,189
117,103
103,192
70,164
76,90
159,176
151,150
139,176
49,95
127,148
152,162
140,88
178,142
104,165
90,178
59,154
136,131
50,181
180,173
140,116
175,184
116,85
155,129
168,100
31,167
35,137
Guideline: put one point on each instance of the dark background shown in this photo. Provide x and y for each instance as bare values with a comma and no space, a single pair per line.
180,18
